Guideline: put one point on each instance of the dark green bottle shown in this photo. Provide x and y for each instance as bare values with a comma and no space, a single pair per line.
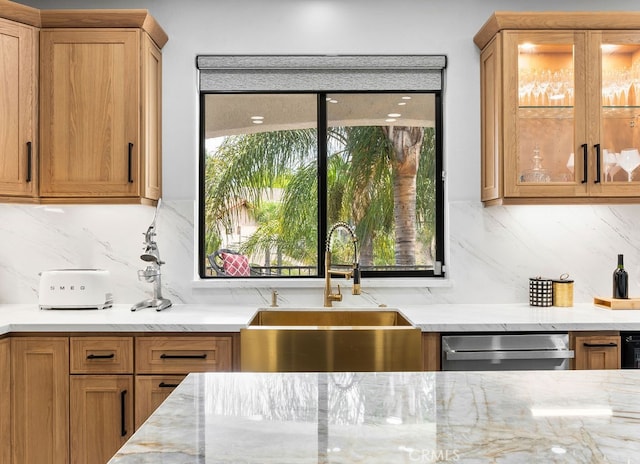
620,281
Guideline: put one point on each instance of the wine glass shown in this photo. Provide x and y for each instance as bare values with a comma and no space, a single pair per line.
571,163
628,160
611,166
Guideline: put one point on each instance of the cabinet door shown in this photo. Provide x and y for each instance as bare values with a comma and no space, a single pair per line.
5,402
40,396
491,120
101,416
614,92
18,92
544,114
151,140
151,391
597,352
89,107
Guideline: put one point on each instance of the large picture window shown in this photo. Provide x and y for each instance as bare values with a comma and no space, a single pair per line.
281,164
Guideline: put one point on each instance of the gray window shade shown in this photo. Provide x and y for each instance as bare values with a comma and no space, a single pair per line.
221,73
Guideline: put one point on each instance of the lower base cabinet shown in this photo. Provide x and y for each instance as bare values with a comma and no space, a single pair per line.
151,391
101,416
5,401
78,399
40,399
595,350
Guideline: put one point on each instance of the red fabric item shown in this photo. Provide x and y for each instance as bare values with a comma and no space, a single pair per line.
235,265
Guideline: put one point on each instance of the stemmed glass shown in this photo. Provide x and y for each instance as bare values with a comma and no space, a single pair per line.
629,159
611,166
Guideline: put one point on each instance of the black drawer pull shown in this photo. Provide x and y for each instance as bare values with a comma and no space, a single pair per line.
29,161
600,345
101,356
167,385
123,422
183,356
130,162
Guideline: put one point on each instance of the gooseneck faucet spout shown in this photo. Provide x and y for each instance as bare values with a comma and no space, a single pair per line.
329,296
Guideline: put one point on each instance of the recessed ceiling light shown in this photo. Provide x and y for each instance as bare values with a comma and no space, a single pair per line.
257,121
406,98
257,118
390,120
402,103
333,101
394,115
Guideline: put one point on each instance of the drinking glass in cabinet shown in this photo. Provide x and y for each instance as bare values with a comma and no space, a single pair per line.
629,160
546,120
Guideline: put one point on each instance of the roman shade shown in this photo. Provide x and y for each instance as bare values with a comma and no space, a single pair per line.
264,73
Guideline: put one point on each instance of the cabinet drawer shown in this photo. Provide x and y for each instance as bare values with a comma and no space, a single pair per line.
151,391
181,355
101,355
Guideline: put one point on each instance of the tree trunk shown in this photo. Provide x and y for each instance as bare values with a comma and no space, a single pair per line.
407,143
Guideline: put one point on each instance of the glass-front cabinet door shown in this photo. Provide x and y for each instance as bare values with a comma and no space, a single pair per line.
546,142
615,122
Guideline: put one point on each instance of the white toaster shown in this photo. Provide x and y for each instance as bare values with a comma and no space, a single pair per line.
75,289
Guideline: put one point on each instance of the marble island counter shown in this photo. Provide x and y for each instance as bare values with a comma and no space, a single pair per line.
464,417
212,318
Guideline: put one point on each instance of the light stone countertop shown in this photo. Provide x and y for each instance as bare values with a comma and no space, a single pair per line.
462,417
210,318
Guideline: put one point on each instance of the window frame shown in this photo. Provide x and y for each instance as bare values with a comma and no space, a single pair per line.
439,265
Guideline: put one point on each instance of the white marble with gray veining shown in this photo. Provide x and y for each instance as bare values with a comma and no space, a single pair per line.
464,417
491,254
207,318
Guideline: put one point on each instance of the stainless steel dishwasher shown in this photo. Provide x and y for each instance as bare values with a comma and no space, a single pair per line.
499,352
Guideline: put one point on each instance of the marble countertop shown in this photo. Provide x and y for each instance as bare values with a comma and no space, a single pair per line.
210,318
462,417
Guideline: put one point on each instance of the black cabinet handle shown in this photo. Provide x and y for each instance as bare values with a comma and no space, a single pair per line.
29,161
167,385
600,345
584,163
123,421
101,356
183,356
130,174
597,147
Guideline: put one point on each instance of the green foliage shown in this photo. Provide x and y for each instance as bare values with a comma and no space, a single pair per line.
359,185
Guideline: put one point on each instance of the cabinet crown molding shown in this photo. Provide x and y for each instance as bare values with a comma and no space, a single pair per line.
550,20
122,18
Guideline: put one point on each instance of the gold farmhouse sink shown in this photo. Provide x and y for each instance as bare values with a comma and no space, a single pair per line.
330,340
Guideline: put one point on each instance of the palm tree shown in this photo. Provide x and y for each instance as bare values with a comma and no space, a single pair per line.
373,180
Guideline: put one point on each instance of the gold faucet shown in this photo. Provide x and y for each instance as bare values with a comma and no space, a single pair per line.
330,297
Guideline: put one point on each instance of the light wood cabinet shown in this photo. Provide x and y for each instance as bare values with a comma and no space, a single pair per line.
431,351
99,114
5,401
101,416
40,398
559,112
595,350
183,354
18,110
101,404
151,391
157,358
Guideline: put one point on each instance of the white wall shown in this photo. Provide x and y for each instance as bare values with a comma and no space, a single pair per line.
492,251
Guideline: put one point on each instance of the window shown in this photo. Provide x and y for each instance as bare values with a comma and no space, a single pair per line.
288,150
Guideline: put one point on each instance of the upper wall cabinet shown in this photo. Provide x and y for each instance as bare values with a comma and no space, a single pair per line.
18,103
560,102
100,93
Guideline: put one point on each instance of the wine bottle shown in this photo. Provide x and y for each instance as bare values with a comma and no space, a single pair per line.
620,281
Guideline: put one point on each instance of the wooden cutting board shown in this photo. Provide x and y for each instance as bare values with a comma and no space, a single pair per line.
616,303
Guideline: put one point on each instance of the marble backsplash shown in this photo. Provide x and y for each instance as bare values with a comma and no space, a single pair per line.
491,254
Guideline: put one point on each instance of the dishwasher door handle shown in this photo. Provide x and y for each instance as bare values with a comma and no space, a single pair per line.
453,355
